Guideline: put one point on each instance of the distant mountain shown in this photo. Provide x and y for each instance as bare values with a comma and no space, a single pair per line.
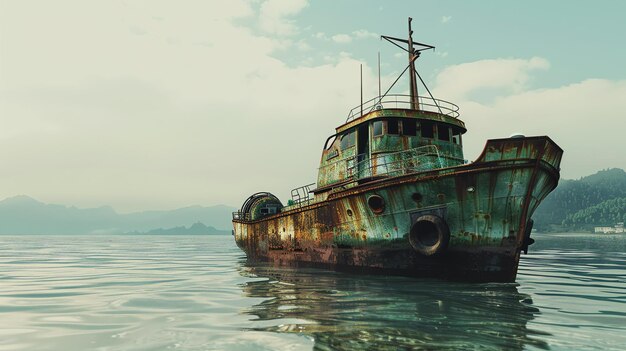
583,203
598,199
197,228
606,213
25,215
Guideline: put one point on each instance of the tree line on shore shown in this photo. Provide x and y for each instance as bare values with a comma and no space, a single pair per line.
595,200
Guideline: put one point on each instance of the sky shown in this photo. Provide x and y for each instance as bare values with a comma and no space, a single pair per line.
163,104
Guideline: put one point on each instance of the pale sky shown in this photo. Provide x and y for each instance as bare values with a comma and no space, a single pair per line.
163,104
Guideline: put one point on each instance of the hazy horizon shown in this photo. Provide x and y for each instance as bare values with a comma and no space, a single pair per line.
25,196
233,206
159,105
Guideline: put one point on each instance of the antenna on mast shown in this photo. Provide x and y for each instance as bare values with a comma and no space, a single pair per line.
379,74
413,55
414,50
361,90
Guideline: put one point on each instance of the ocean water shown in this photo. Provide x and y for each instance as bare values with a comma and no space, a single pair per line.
198,293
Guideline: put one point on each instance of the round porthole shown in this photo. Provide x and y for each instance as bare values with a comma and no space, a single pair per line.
376,203
429,235
417,197
349,211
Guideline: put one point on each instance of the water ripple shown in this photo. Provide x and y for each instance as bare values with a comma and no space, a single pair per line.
199,293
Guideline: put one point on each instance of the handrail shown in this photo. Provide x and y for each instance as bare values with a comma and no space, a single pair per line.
426,103
417,159
399,163
302,195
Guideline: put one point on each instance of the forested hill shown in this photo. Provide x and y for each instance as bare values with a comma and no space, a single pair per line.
25,215
598,199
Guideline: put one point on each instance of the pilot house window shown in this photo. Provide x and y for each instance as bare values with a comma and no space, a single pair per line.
392,126
409,127
443,132
347,140
377,128
427,129
456,136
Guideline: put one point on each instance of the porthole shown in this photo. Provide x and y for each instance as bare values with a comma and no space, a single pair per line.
417,197
376,204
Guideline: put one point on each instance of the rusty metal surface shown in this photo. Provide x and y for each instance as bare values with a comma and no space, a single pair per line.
376,190
402,113
486,205
341,161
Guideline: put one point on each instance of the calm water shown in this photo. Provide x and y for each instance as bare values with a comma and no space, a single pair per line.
198,293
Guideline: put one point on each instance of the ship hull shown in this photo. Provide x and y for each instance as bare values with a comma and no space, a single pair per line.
485,207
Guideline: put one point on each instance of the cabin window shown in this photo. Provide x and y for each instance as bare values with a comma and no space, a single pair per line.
392,126
409,127
377,128
348,140
427,128
456,137
330,141
443,132
268,210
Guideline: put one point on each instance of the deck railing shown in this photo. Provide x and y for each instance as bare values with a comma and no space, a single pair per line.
399,163
425,103
418,159
303,195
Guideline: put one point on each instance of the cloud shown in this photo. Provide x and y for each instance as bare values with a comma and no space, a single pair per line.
505,75
195,110
303,45
580,117
364,34
341,38
274,16
346,38
320,35
445,19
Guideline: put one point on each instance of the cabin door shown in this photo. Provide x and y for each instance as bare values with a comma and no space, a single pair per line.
363,151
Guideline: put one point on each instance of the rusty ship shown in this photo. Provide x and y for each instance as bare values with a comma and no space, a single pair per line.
394,195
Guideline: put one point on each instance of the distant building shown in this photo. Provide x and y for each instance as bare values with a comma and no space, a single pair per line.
604,230
618,228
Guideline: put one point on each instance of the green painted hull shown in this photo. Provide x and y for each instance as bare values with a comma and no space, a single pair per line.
486,205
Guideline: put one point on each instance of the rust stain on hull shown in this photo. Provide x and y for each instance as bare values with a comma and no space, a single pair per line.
395,196
486,205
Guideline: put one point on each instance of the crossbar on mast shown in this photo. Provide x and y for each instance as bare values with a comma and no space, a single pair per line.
414,50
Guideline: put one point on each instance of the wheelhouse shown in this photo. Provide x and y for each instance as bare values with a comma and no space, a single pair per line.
391,141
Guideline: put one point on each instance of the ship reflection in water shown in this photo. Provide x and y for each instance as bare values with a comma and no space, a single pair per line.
348,312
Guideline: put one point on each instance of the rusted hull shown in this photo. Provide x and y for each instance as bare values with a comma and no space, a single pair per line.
477,266
486,205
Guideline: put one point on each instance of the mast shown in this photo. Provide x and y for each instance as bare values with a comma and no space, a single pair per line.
413,49
413,55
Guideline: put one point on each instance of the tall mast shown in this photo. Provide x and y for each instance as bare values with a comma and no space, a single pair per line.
413,49
413,55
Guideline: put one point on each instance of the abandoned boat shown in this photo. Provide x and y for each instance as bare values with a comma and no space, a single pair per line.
394,195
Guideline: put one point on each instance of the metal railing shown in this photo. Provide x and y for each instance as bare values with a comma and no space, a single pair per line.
399,163
418,159
335,171
302,196
426,103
